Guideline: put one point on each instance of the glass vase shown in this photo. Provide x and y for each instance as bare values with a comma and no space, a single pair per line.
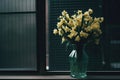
78,59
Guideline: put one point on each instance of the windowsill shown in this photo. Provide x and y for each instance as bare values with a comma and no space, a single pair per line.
95,77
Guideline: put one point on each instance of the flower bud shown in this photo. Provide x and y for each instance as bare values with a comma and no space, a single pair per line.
90,11
55,31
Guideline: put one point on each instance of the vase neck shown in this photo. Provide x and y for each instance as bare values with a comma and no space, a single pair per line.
77,46
74,46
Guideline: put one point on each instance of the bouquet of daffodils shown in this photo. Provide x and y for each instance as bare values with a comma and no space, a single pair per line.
79,27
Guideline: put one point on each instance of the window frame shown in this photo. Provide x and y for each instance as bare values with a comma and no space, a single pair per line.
24,72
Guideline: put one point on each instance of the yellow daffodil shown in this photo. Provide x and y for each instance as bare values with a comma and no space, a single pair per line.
67,16
86,13
64,13
79,16
87,18
63,20
75,23
61,32
79,19
88,29
59,24
90,19
79,22
79,12
60,17
74,16
77,38
67,29
55,31
71,35
90,11
101,19
95,26
83,34
96,20
63,39
71,23
74,32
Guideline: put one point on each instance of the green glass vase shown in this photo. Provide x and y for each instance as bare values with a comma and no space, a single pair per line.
78,59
